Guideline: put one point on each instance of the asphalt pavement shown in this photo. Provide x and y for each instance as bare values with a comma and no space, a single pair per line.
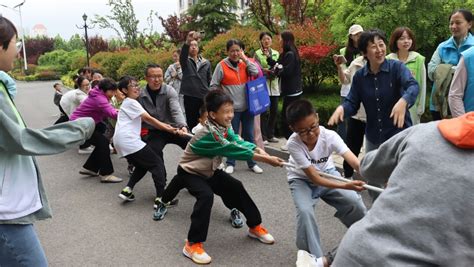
91,226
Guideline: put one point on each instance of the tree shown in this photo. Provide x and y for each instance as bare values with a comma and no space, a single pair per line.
76,42
213,16
97,44
124,15
295,11
428,19
261,10
35,47
174,27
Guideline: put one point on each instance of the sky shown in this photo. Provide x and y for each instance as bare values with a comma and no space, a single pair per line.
62,16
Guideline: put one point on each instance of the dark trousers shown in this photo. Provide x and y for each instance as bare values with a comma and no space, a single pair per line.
354,140
192,106
268,119
285,128
99,160
231,191
63,117
157,140
146,160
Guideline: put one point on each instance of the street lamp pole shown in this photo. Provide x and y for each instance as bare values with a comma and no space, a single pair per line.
22,30
85,27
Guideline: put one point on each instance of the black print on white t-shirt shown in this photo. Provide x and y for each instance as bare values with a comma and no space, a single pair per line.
321,160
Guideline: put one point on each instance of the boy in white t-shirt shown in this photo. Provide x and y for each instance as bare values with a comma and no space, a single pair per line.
128,143
310,148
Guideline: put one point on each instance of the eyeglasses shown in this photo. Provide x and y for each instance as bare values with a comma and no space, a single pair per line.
133,85
306,132
18,45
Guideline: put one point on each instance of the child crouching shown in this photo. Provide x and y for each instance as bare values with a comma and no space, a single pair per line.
198,172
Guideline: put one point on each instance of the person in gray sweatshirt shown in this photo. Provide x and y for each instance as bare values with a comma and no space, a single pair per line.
425,215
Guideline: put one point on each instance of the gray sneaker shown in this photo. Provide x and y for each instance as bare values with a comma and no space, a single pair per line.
160,212
236,219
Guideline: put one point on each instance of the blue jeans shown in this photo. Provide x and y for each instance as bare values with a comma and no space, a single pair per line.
348,204
20,246
247,132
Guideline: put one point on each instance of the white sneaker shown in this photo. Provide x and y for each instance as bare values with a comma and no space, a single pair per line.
265,142
85,171
229,169
257,169
86,150
260,233
112,149
110,179
284,147
221,166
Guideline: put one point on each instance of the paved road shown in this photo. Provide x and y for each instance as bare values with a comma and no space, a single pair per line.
92,227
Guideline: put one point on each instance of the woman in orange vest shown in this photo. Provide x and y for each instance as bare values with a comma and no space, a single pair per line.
230,75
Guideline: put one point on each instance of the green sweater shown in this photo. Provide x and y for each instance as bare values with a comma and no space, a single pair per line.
204,152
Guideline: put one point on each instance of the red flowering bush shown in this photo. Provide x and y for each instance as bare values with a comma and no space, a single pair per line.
315,46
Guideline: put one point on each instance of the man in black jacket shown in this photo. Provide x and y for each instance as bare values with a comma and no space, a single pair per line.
196,78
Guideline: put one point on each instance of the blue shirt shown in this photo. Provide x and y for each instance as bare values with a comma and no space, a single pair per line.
379,93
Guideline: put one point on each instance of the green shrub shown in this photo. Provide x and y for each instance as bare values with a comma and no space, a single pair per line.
135,65
110,62
31,69
63,61
47,75
30,78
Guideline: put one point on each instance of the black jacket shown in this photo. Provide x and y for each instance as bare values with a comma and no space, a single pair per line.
195,82
290,75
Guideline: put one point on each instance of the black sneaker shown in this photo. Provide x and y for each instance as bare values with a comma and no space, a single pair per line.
236,219
127,194
170,204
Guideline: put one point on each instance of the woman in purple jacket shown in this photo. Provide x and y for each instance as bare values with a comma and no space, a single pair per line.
97,106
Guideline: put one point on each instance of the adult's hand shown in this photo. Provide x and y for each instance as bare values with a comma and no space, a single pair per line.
398,112
337,116
356,185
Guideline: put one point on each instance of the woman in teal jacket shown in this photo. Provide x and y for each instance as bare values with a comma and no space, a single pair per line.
449,51
22,196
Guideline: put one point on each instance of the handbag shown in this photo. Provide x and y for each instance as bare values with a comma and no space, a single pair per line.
257,96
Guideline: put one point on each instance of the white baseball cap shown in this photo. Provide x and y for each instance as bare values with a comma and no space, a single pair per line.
356,28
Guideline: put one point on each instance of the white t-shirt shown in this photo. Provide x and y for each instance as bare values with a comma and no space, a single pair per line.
127,130
71,100
320,157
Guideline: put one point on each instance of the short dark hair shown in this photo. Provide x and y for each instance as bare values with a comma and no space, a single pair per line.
84,70
151,66
79,80
299,110
94,71
125,81
55,84
396,34
107,84
7,31
369,36
215,99
94,83
263,34
232,42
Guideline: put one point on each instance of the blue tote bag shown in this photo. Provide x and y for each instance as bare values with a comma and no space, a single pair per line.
257,96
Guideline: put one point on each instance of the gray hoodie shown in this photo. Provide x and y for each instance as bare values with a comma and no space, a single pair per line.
425,215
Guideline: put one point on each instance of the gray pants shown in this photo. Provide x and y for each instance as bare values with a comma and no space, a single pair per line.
348,204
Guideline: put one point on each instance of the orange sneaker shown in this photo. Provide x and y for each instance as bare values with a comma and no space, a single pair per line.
260,233
196,253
